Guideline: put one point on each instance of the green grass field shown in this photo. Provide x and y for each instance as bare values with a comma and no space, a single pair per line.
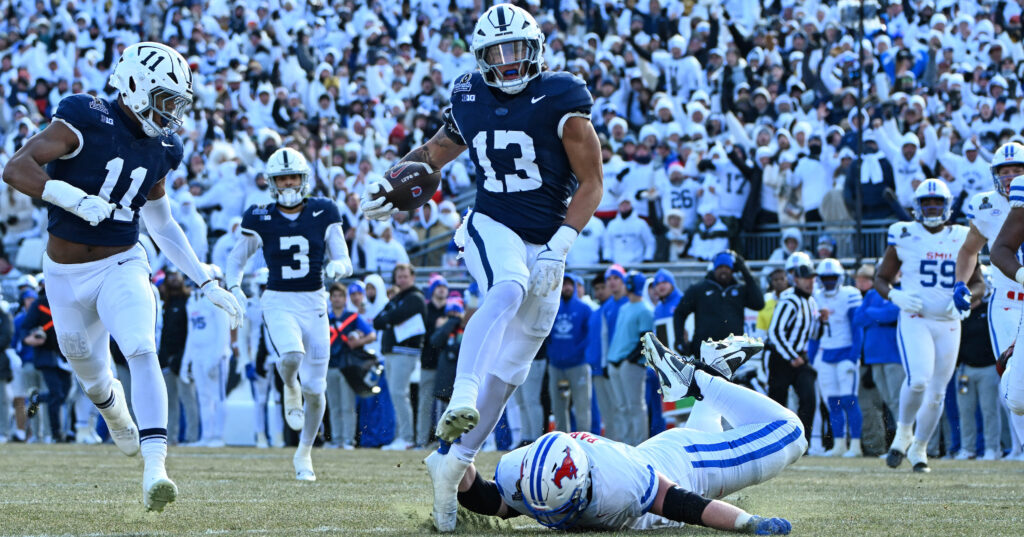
94,490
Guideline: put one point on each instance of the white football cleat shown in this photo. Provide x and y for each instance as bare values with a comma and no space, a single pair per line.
294,415
261,441
157,490
456,422
446,472
675,373
918,457
838,449
727,355
123,430
855,450
303,467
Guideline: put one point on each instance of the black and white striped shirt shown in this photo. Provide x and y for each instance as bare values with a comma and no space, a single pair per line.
794,323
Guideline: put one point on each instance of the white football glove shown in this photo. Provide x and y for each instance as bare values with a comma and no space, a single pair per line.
224,300
376,208
239,295
92,209
338,268
548,269
955,312
905,301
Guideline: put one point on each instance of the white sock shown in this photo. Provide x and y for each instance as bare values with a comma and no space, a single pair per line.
910,403
154,452
315,404
149,398
482,340
288,367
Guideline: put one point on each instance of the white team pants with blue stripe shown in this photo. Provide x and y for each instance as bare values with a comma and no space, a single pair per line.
928,350
766,438
1004,313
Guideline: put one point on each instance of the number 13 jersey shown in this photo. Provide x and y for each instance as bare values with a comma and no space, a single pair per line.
928,264
524,179
114,160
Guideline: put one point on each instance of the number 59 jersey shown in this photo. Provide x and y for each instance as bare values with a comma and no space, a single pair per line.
294,249
524,179
114,160
928,264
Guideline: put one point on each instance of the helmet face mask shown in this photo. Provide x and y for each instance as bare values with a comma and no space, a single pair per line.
830,273
555,480
929,212
1007,163
155,83
287,162
508,46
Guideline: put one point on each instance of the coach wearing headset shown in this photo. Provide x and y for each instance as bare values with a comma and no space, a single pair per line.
626,369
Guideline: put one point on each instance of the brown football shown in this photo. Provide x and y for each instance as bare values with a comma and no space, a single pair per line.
409,185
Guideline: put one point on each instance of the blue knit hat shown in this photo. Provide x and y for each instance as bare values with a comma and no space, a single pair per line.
723,259
615,270
356,287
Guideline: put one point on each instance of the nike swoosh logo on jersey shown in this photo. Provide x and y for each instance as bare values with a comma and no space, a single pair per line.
317,213
165,144
708,293
536,99
123,261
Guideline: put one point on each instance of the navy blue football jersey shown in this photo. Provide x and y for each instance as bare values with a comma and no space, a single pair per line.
293,249
524,179
116,161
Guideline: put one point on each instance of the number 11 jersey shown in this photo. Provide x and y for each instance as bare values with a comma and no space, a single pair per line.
928,265
114,160
524,178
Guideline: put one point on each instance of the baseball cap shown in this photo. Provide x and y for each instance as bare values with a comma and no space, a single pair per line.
356,287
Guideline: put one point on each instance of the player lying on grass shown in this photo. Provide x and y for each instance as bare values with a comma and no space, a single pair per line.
584,481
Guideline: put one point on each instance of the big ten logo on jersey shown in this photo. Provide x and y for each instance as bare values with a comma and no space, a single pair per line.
585,437
524,176
938,268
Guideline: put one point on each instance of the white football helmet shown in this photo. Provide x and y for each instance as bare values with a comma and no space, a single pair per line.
932,188
155,81
830,272
1008,154
287,161
508,45
260,278
555,480
799,265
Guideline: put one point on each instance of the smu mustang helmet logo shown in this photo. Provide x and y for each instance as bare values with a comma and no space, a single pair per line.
416,191
566,469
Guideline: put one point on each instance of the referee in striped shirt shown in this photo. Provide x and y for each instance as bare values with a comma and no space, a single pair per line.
794,325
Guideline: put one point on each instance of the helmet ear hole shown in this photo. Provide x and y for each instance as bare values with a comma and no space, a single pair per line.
131,83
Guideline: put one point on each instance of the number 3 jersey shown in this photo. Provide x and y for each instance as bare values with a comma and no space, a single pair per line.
524,179
294,249
928,264
114,160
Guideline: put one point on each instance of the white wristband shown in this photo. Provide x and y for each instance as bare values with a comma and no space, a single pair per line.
63,195
1019,276
562,240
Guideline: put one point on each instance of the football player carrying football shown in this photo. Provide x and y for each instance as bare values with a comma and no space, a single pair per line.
529,134
295,233
584,481
106,161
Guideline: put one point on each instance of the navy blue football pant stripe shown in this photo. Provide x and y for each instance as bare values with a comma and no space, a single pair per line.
479,242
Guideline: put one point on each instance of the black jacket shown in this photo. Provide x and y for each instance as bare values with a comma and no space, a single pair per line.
6,336
403,307
718,310
38,316
975,341
428,358
173,332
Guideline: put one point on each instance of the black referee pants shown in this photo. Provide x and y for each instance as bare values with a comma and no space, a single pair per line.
782,375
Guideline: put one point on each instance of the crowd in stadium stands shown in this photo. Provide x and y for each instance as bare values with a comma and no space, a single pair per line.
715,119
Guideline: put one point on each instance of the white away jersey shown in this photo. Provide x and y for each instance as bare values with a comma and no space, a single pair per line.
928,263
624,486
683,197
836,333
987,211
